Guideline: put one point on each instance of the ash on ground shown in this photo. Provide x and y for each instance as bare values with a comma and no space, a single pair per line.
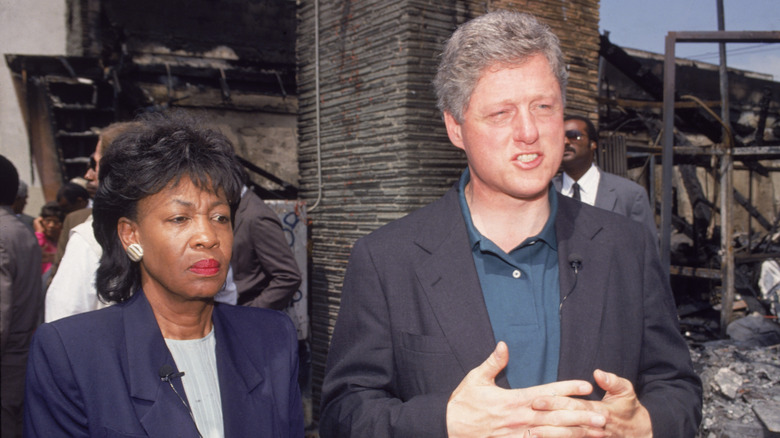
741,383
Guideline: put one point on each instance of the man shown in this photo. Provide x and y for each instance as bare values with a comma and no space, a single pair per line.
18,206
583,180
72,288
264,268
503,283
72,197
21,301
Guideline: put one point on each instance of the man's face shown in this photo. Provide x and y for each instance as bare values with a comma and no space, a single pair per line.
512,130
578,147
92,172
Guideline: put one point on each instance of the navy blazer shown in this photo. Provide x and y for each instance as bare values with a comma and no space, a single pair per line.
413,323
97,375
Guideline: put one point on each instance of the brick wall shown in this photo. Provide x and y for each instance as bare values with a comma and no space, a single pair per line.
384,148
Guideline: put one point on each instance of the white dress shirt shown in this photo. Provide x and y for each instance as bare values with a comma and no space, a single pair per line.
589,185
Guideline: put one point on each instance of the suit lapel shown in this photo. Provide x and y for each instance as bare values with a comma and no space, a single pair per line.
606,197
146,353
450,281
584,294
238,377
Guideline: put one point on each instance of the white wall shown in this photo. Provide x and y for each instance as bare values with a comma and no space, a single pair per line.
27,27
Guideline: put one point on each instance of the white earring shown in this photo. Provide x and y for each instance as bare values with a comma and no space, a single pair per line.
135,252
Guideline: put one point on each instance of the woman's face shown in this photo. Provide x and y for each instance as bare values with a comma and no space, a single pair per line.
187,239
52,226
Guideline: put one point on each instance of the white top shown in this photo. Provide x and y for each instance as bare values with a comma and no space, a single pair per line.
589,185
72,289
197,358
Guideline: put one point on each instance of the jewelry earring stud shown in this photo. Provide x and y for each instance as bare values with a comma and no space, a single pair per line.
135,252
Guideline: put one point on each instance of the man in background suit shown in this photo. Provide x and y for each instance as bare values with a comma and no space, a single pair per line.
505,308
581,179
21,301
18,206
264,268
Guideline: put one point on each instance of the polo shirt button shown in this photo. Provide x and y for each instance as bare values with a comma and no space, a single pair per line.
517,273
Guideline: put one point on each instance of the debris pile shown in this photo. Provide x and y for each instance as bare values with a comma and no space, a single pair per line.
741,389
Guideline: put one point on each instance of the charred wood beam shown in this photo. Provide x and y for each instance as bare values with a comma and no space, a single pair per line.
766,99
40,65
288,190
651,84
743,201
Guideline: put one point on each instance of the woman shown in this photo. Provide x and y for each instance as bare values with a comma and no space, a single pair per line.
48,226
166,360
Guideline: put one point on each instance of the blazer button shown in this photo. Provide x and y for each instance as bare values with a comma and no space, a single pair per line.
517,273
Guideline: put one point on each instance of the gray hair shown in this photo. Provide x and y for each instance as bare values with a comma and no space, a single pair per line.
21,192
500,37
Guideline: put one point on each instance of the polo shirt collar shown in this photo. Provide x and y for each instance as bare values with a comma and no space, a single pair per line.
476,239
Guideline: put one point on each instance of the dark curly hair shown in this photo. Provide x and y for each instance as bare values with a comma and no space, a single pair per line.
160,150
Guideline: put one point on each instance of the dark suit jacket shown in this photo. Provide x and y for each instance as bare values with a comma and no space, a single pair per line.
97,374
622,196
413,322
264,268
21,310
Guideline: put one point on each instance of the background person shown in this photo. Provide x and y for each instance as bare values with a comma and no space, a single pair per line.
503,283
71,289
72,197
583,180
264,268
21,301
48,226
19,203
162,215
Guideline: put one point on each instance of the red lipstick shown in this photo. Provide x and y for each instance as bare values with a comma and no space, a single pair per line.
206,267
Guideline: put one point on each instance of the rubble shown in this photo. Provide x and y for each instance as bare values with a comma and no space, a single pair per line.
741,385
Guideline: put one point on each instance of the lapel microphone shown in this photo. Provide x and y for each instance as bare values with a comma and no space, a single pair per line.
575,262
167,374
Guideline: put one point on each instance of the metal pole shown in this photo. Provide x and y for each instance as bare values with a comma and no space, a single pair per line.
726,190
667,155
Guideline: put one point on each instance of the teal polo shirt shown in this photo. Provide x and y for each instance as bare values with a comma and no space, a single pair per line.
522,295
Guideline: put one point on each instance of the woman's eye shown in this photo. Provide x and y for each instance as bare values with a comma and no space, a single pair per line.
179,220
222,219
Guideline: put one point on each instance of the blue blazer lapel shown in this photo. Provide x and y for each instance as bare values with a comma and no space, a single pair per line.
159,410
451,284
239,377
581,312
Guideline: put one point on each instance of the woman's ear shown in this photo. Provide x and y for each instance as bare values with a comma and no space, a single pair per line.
127,232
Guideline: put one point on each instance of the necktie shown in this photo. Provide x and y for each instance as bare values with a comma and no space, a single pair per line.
575,191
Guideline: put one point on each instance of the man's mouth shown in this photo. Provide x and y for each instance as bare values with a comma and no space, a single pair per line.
527,158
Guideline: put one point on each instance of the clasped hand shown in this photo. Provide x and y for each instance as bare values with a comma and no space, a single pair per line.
479,408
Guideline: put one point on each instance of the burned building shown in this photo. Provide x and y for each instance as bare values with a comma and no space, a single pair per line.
330,104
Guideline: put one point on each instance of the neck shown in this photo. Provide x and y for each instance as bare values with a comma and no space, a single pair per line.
181,319
508,221
577,173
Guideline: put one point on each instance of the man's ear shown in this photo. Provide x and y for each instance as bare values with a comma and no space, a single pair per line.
454,130
594,146
127,231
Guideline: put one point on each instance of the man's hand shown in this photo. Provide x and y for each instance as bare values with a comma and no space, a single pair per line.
479,408
625,416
